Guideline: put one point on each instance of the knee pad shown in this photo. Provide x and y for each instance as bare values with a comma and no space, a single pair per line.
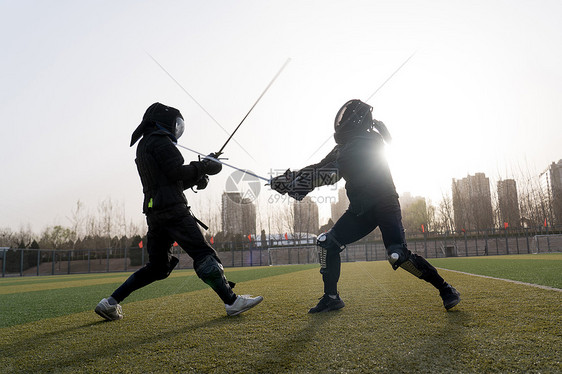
400,256
327,242
209,269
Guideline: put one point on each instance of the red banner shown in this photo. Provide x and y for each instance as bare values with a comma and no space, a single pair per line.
140,244
212,240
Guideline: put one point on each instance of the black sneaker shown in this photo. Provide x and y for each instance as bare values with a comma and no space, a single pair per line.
450,296
327,304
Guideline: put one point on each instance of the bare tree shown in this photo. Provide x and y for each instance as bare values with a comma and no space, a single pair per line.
414,215
56,237
446,220
6,235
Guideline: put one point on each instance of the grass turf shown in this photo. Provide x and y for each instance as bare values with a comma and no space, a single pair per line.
393,322
543,269
25,300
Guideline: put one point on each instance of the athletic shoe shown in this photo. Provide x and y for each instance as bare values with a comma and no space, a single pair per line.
327,304
450,296
242,304
108,311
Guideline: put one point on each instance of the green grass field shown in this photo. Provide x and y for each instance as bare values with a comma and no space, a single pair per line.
392,322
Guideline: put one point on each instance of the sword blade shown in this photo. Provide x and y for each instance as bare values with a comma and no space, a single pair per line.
259,98
224,163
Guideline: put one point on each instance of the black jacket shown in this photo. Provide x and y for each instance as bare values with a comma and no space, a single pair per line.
163,173
361,162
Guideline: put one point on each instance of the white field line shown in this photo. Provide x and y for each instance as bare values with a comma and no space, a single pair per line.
507,280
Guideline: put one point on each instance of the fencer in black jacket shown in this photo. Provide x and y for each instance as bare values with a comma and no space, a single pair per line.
358,159
164,177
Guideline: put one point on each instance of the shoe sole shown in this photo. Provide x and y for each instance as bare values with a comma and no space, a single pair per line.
245,309
338,307
453,304
105,315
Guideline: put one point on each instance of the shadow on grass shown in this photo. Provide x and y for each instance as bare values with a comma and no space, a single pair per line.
39,340
283,353
451,340
31,346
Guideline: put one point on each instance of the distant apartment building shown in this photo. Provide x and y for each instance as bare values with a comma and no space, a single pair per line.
238,214
338,208
306,216
508,203
472,203
552,177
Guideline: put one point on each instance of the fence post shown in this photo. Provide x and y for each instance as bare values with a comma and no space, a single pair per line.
69,253
476,242
38,260
4,262
53,262
465,244
21,262
506,242
486,242
89,265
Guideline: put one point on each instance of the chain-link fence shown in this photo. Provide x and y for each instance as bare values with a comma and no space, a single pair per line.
23,262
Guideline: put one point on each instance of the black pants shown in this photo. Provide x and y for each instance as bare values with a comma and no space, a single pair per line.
176,224
352,227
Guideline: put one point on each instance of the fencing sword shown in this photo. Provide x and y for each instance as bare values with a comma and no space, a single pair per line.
220,152
369,98
220,161
195,101
390,77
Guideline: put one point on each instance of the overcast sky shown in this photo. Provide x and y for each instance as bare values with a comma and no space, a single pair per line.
482,92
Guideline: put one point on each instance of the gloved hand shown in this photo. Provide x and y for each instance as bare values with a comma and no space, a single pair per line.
282,182
300,186
210,166
202,182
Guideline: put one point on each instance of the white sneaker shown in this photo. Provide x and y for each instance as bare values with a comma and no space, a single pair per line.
108,311
242,304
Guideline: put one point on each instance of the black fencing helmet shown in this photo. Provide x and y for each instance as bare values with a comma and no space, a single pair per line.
163,117
353,118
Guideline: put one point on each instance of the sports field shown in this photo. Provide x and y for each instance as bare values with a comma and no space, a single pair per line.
392,322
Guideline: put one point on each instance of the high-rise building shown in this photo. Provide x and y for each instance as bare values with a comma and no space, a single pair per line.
553,179
338,208
238,215
306,216
508,203
472,203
